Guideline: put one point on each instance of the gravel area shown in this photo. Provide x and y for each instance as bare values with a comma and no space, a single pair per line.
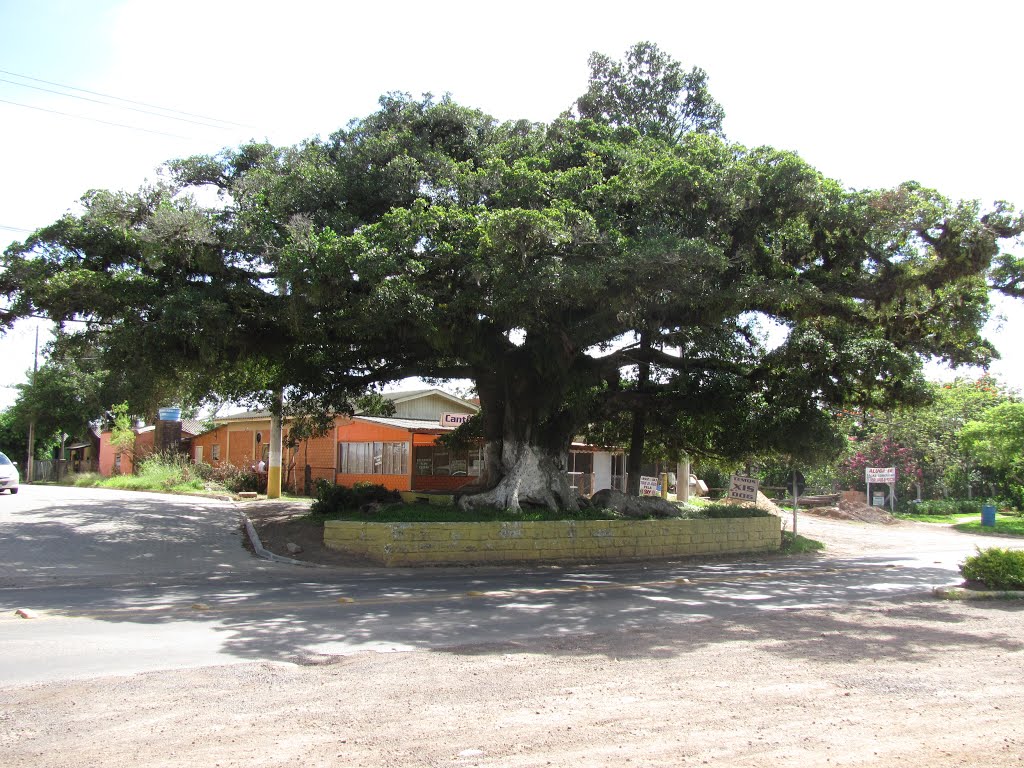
920,683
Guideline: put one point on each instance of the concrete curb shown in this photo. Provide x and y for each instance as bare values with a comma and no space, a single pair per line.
956,592
266,554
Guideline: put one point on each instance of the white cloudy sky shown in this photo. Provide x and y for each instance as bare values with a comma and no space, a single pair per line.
872,93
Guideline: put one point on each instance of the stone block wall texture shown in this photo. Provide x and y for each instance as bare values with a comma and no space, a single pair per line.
401,544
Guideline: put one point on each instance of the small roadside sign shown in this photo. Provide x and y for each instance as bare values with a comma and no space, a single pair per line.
648,486
880,474
743,488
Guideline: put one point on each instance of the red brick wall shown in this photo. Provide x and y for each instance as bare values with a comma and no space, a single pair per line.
241,444
218,436
321,455
142,448
143,444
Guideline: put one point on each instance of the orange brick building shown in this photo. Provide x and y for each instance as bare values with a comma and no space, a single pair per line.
398,452
115,462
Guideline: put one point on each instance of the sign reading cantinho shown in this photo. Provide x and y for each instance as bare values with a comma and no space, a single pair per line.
455,419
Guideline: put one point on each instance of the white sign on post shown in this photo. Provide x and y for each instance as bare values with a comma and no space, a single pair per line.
648,486
880,474
743,488
886,476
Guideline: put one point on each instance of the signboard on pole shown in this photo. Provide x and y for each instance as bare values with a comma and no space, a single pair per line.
880,474
886,476
743,488
648,486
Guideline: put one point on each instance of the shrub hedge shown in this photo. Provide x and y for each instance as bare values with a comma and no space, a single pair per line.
996,568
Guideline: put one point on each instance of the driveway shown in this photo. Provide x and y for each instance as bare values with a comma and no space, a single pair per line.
52,535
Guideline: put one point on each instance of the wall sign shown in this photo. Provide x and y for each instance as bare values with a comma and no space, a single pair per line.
454,419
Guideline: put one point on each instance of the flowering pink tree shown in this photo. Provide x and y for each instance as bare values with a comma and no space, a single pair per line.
880,451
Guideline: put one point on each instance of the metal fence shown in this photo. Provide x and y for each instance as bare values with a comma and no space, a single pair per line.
43,470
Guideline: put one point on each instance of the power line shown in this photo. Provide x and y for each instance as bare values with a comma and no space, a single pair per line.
127,101
116,106
95,120
14,229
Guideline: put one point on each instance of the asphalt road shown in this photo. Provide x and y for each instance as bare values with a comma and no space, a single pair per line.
124,582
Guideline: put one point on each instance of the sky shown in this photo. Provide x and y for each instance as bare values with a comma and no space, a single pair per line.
872,93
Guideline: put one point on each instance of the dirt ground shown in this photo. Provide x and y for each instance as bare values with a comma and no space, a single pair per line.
920,683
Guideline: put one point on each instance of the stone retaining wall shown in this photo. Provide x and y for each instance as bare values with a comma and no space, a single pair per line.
551,541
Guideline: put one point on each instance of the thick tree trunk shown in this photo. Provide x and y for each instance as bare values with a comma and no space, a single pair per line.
529,476
526,434
638,436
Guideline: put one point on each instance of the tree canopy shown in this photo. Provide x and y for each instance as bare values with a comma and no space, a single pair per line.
549,263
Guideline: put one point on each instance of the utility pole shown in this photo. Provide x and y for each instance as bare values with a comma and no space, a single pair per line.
32,423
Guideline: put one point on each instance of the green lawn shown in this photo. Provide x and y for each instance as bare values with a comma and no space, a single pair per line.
799,545
947,519
1008,526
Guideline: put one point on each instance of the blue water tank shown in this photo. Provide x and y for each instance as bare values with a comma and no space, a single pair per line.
169,414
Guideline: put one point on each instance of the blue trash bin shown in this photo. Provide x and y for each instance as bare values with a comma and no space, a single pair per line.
988,515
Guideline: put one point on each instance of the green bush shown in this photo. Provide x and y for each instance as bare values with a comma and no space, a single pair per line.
947,507
234,479
996,568
715,511
333,499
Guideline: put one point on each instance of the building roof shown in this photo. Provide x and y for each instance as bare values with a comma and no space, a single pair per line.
188,427
395,397
413,425
246,416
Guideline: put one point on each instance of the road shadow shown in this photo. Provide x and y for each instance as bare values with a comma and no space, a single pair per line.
795,609
131,535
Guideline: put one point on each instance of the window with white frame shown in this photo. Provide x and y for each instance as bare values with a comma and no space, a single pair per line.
373,458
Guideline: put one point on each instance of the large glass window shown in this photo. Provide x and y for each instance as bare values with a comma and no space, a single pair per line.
438,460
373,458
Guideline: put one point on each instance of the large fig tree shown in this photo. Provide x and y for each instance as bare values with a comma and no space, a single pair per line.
543,261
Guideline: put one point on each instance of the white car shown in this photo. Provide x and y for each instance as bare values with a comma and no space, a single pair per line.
8,475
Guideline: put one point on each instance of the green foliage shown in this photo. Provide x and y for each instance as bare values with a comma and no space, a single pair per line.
719,511
13,436
428,239
996,440
930,432
334,499
158,472
650,92
953,507
995,568
232,478
122,436
339,502
799,545
449,513
82,479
